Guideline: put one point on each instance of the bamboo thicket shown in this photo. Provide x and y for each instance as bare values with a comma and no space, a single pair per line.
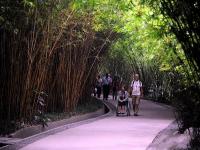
56,53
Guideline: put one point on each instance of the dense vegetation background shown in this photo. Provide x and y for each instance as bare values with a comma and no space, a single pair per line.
57,48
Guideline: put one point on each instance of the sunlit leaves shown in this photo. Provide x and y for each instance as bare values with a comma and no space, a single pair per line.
145,33
29,3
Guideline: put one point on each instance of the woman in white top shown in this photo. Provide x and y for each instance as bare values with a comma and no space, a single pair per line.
137,93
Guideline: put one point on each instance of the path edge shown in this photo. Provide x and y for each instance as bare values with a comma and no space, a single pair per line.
23,142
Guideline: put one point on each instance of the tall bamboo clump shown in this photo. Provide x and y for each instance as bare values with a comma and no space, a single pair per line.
53,52
185,19
186,26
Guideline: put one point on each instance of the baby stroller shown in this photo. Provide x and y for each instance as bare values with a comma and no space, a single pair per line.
121,103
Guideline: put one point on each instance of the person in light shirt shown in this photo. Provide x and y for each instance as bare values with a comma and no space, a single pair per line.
137,93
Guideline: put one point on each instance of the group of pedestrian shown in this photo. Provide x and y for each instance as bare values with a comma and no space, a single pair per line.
119,91
105,84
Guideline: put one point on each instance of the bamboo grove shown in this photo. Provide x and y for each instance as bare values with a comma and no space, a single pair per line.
58,47
45,48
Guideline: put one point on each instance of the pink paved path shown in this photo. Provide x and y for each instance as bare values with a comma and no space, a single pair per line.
111,133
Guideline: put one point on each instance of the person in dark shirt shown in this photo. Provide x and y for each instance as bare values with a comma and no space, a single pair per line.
115,87
98,86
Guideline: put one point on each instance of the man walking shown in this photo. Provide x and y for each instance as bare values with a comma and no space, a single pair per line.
115,87
107,80
98,86
137,93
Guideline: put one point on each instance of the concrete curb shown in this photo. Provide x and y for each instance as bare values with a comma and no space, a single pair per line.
170,139
36,129
151,146
165,129
161,104
23,142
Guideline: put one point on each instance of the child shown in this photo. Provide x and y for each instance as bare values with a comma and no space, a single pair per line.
122,99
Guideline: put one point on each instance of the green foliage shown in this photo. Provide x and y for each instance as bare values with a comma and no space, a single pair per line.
158,39
183,18
40,116
187,104
45,45
29,3
145,46
107,14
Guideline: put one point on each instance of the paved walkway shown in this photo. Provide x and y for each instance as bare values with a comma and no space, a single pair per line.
111,133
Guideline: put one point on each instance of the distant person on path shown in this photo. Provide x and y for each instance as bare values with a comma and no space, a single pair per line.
106,86
115,87
137,93
99,85
110,82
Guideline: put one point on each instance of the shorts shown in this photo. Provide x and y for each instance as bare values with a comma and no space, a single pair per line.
136,99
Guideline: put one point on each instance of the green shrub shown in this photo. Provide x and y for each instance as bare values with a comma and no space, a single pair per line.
187,105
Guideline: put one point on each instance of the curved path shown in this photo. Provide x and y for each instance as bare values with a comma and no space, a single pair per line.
111,133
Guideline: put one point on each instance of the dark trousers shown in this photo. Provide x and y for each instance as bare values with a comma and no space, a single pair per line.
114,93
106,89
98,92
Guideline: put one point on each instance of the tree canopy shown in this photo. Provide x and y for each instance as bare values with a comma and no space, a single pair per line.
58,46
